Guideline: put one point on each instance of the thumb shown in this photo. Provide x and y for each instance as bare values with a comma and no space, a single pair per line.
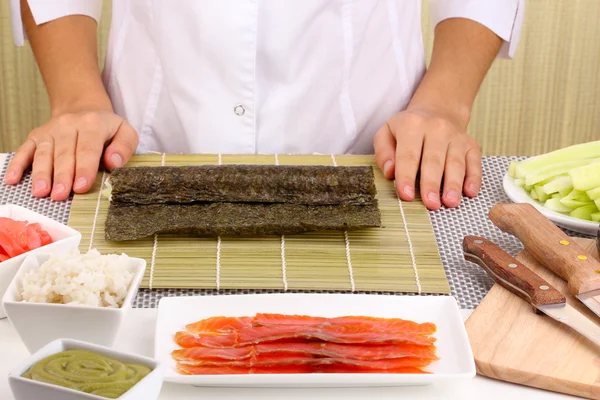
385,151
121,147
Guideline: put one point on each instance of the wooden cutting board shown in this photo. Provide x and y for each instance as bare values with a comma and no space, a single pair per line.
512,343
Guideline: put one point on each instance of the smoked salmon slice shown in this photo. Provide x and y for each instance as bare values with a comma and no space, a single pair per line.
350,369
395,324
219,325
335,333
202,353
292,344
277,359
229,324
316,349
204,370
291,369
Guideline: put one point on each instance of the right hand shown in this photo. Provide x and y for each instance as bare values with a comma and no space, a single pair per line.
65,152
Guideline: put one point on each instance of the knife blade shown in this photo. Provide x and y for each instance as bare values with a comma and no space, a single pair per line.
553,249
520,280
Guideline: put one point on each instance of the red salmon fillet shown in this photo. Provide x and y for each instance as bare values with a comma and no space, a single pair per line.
287,369
351,369
277,359
219,325
229,324
336,334
354,352
395,324
203,353
290,369
290,344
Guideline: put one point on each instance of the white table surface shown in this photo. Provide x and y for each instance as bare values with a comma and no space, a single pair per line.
137,335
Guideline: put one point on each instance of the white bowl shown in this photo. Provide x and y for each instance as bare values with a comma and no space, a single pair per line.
26,389
40,323
519,195
64,238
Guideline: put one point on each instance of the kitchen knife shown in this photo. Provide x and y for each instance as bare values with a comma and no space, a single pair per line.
553,249
520,280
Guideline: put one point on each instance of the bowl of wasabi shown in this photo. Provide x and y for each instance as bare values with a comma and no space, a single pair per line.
68,369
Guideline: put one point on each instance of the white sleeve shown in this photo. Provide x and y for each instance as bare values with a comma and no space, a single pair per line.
503,17
48,10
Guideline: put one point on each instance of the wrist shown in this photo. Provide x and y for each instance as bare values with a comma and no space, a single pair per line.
100,102
442,106
86,93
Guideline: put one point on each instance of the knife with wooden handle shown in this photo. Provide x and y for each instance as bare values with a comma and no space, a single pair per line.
520,280
553,249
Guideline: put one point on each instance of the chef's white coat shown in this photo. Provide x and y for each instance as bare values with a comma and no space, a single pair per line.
267,76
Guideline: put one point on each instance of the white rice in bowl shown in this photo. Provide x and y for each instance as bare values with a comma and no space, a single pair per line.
88,279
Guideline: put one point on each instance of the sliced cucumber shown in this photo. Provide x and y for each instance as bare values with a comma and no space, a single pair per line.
552,170
575,152
584,212
565,180
541,195
573,200
582,196
594,193
565,192
558,184
533,194
576,203
512,169
521,182
586,177
554,204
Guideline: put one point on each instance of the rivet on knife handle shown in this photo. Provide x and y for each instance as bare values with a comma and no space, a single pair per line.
510,273
549,245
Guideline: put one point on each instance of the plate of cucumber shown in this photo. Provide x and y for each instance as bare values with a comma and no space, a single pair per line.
563,184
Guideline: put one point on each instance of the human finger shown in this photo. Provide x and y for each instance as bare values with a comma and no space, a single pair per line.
87,159
408,157
432,170
122,146
41,174
64,164
454,174
473,176
19,163
385,151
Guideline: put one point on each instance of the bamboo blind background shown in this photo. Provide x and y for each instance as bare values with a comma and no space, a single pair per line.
547,98
380,259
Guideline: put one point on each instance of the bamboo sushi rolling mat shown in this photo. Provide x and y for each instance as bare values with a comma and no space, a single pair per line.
401,256
467,284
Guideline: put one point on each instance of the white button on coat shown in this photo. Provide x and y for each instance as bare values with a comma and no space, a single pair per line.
307,76
239,110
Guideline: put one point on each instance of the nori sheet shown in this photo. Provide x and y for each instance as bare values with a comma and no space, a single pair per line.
130,222
314,185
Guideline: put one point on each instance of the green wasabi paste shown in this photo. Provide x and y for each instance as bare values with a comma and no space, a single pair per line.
88,372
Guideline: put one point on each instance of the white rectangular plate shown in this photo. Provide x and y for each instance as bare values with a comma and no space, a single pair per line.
456,360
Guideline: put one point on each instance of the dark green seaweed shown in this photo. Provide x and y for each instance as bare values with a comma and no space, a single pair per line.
312,185
130,222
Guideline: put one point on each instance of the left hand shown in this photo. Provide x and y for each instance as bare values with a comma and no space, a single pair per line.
434,141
